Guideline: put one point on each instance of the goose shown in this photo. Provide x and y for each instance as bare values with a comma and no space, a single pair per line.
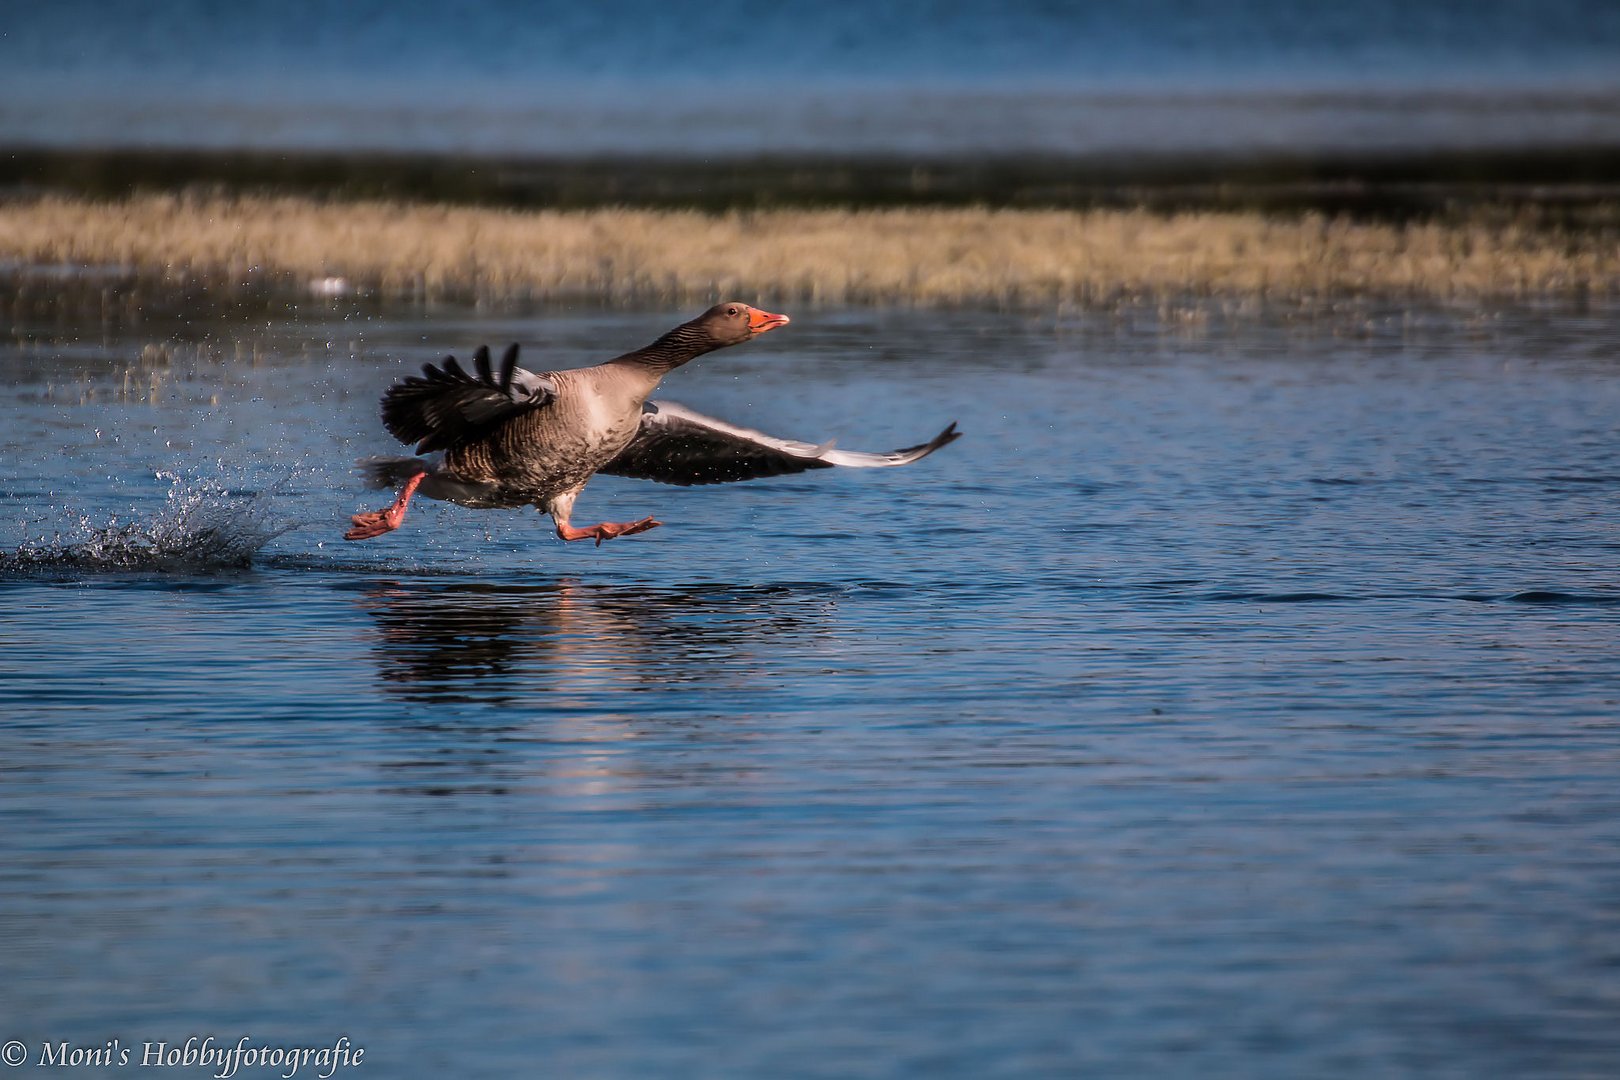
502,437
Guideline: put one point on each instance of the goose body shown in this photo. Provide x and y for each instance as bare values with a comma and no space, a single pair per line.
503,437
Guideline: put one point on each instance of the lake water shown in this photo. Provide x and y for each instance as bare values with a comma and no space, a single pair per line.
1235,698
724,78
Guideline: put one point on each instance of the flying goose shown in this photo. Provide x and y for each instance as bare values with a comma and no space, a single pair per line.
505,437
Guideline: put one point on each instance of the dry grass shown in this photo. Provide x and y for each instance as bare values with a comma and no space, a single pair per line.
914,256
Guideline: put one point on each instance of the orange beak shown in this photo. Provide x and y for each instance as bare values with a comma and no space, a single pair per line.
761,321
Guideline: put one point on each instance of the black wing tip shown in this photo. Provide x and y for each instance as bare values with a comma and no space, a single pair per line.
944,438
409,411
509,362
450,370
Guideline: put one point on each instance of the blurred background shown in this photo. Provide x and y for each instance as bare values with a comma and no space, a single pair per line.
1021,101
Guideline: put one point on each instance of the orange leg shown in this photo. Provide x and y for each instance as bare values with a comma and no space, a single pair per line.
378,522
608,530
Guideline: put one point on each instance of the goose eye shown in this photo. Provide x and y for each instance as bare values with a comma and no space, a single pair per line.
732,312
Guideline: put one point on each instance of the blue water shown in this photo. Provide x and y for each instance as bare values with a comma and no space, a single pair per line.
729,78
1233,699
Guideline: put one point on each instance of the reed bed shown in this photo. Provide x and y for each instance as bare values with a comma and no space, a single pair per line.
899,256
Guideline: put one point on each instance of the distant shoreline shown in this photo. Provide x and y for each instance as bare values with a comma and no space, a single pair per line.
225,249
1393,185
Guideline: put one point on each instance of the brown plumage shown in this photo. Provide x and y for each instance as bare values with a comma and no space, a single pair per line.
513,438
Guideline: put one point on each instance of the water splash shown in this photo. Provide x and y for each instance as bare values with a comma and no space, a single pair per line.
203,525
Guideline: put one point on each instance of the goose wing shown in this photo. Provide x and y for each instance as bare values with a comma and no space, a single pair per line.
446,404
676,445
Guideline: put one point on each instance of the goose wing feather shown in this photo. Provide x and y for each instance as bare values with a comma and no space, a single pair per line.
446,404
678,445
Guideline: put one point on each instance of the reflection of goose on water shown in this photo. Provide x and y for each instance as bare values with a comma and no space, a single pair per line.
513,438
497,642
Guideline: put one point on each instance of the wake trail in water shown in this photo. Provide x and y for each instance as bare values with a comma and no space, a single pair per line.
203,525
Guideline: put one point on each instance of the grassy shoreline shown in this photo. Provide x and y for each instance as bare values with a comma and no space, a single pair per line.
916,256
